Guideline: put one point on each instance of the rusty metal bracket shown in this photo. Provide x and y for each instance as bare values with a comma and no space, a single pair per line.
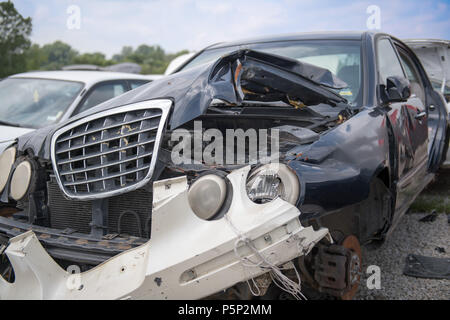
98,224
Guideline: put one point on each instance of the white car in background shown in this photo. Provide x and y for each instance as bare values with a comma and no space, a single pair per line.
435,57
178,62
33,100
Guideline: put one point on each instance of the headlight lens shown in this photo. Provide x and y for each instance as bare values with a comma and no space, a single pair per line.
207,195
7,159
271,181
20,180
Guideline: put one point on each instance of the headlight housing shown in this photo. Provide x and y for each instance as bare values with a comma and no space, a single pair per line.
271,181
207,195
7,159
20,181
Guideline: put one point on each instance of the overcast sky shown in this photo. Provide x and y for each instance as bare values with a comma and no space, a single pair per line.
107,25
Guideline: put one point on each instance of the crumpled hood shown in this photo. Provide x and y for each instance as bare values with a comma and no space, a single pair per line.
240,75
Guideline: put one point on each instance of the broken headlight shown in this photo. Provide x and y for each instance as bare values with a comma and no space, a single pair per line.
271,181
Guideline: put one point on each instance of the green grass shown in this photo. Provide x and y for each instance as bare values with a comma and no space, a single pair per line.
436,196
428,203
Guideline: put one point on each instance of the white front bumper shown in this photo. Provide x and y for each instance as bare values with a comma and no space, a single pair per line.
186,257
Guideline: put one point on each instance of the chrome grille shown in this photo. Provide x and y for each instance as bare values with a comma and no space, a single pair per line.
108,152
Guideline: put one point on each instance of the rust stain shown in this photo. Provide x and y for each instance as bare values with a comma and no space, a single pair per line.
7,212
245,91
81,241
129,128
103,243
341,119
296,104
237,72
123,247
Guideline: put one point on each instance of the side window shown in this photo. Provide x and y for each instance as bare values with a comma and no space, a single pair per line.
137,83
388,63
100,93
413,76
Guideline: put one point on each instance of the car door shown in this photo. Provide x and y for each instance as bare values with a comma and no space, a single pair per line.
416,107
436,110
410,138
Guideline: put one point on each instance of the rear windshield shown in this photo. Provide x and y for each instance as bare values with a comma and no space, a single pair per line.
35,103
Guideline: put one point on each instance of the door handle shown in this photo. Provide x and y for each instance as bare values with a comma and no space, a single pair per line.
421,115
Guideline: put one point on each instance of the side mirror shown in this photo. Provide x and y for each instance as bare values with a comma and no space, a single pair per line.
397,89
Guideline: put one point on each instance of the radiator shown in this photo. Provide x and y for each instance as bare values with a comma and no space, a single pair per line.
133,209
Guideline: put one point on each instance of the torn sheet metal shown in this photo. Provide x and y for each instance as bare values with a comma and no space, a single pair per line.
265,77
192,264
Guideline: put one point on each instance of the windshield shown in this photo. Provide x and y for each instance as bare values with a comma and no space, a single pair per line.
341,57
35,103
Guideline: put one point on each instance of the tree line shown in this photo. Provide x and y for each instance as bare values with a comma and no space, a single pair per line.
18,54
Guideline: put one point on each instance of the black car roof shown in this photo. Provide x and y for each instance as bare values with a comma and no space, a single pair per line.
338,35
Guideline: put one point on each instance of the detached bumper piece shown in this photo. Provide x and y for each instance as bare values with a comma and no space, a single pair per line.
427,267
38,276
186,258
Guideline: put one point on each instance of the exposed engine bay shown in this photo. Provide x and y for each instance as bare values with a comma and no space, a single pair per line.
294,126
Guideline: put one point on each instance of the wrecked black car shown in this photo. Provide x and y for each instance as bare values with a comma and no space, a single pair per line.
259,167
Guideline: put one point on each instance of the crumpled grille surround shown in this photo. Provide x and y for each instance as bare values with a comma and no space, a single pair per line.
110,152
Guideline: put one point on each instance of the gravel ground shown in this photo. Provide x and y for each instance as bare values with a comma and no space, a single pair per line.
410,236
